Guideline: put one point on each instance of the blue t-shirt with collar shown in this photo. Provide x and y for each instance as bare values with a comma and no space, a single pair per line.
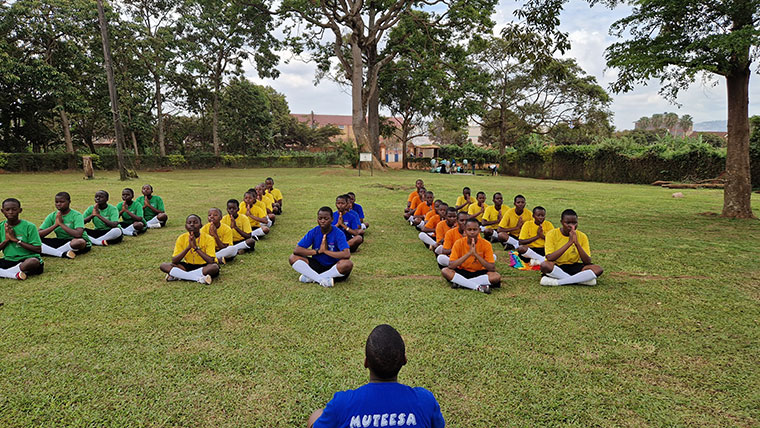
382,404
336,241
359,210
350,219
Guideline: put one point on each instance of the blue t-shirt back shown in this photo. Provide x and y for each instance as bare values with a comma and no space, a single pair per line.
350,219
382,405
336,241
359,210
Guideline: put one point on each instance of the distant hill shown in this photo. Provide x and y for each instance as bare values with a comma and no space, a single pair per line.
713,125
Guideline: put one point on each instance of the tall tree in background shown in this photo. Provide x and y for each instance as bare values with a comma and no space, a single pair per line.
358,30
220,35
675,41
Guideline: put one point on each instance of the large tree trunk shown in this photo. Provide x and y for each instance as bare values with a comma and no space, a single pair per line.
358,118
67,131
112,92
738,191
373,109
134,141
404,139
215,125
160,118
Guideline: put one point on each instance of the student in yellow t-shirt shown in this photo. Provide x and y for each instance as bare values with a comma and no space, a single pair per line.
477,209
256,215
264,202
412,196
452,236
464,200
449,222
422,209
472,264
532,237
512,222
492,217
275,194
222,234
427,231
194,257
568,255
243,236
416,201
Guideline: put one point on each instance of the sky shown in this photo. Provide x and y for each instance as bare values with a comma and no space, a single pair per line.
588,27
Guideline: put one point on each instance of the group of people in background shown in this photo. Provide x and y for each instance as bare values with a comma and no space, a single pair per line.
323,255
453,233
63,232
202,248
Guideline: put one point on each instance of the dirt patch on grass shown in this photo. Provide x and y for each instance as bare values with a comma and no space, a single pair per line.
650,277
332,172
708,214
193,316
392,186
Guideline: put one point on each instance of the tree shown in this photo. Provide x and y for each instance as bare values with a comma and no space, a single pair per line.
245,116
674,42
220,35
359,29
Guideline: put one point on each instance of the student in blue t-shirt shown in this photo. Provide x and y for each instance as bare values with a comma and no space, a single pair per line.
358,209
383,401
322,255
346,220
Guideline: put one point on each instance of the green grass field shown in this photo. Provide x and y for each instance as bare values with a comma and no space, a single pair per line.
670,336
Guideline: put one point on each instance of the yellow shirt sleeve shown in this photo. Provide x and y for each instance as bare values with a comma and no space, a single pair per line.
181,244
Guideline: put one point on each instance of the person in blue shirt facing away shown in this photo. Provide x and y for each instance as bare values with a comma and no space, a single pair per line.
348,221
358,209
322,255
383,401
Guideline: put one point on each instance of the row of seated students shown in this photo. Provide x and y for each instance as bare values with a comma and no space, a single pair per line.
202,248
23,244
323,255
467,260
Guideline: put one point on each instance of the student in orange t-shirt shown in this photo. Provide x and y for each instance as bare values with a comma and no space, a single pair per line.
452,236
423,208
427,234
448,222
411,199
472,264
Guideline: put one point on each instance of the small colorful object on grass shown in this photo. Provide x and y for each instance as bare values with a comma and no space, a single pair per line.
516,262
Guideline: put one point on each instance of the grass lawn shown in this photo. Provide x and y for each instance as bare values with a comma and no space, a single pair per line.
669,337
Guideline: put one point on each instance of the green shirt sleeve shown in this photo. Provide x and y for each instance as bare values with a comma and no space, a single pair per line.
49,220
87,213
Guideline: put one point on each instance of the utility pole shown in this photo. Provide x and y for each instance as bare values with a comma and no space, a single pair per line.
112,92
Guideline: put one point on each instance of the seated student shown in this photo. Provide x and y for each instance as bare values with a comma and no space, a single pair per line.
20,243
383,401
347,221
131,214
532,237
256,215
492,217
222,234
68,225
154,212
464,200
243,237
415,203
471,263
358,208
512,223
423,208
327,261
477,209
264,202
412,196
449,222
105,219
275,194
452,236
194,256
427,231
568,256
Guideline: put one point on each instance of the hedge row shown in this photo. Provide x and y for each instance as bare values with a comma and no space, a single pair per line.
32,162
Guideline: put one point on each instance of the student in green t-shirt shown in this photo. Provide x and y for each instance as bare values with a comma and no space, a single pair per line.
131,214
68,225
20,243
154,212
105,219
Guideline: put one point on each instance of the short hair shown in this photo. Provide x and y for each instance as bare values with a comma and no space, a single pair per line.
443,204
250,192
465,188
107,195
151,187
385,351
421,189
325,209
567,212
344,197
419,179
538,208
132,192
194,215
269,179
519,197
217,210
472,220
497,193
451,209
64,195
12,200
480,193
351,194
233,201
429,192
462,213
